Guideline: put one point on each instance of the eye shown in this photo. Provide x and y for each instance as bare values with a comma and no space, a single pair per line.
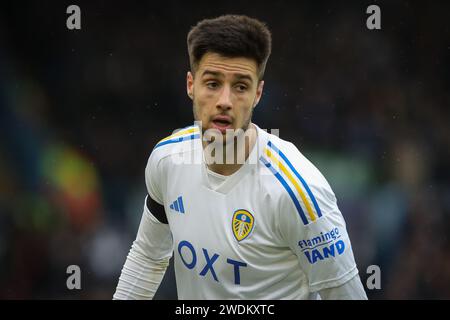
212,85
241,87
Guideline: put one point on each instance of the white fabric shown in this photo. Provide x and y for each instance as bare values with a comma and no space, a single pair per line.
147,260
215,179
351,290
287,255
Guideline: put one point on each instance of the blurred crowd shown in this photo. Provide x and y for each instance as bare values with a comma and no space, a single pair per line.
80,111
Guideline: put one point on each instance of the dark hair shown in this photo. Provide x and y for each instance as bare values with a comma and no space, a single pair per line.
231,36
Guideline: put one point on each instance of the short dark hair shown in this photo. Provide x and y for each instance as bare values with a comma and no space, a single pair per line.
230,36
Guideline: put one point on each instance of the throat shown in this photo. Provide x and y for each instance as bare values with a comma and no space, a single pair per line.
227,158
224,169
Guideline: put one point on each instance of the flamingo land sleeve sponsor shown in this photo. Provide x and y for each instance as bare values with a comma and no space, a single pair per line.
323,246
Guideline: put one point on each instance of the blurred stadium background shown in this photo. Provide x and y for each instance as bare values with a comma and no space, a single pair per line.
80,112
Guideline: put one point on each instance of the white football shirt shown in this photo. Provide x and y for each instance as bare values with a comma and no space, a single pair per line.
272,230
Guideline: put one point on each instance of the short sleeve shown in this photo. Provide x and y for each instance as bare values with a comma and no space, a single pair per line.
154,178
321,243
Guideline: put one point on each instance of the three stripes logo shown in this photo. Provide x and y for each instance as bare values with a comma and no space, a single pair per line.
177,205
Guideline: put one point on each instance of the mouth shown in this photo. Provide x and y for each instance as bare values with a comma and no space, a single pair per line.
222,123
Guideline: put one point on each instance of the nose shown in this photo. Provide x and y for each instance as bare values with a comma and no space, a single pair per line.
224,101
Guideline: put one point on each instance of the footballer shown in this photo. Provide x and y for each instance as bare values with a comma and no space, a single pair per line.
245,215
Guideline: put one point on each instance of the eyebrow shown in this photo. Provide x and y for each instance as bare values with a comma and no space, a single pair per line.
239,76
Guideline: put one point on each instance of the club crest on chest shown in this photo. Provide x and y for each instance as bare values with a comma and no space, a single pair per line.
242,224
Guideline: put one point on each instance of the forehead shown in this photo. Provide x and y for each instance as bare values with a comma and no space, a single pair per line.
227,66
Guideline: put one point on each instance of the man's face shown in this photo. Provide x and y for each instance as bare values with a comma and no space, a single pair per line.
224,92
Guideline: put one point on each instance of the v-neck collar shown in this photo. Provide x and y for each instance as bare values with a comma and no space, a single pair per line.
250,164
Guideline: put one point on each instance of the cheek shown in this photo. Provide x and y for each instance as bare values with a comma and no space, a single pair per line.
201,107
247,106
204,97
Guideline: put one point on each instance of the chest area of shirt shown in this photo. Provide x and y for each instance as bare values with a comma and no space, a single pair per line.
239,220
224,237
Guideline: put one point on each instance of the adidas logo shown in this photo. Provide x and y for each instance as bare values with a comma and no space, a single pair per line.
177,205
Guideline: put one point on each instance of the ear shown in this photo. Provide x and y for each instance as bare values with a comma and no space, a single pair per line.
259,92
190,85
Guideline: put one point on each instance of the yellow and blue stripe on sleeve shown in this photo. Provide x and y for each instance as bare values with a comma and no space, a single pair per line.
277,162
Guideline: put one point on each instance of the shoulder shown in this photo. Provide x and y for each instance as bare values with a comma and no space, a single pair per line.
179,142
164,156
299,186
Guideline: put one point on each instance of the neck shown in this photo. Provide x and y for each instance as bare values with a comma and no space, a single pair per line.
226,158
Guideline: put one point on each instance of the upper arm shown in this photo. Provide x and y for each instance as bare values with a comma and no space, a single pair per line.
319,238
154,176
350,290
154,239
155,183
